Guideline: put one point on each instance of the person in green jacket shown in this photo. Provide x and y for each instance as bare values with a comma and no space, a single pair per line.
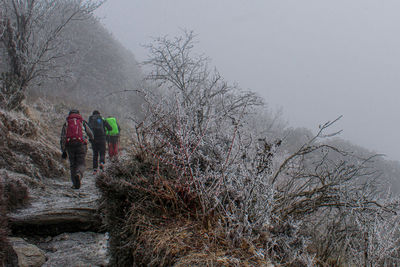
113,137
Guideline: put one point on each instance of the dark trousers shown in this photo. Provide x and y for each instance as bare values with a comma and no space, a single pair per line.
76,154
99,150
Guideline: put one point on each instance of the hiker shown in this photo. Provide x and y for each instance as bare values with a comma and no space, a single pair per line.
99,127
113,137
74,145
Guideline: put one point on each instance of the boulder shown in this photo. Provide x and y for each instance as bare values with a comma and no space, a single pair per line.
28,255
51,222
76,249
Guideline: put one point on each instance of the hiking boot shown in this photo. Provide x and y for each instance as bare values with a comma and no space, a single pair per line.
102,167
78,178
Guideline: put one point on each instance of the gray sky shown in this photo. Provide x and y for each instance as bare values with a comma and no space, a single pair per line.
316,59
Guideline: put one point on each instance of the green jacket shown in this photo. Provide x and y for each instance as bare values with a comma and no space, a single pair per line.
115,127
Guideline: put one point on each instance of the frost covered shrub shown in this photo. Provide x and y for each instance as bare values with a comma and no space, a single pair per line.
204,129
203,155
208,131
154,220
200,127
337,200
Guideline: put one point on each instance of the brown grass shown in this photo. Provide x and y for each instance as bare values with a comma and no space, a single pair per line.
154,220
15,194
26,147
187,243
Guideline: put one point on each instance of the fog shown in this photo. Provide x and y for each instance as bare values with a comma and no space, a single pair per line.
316,59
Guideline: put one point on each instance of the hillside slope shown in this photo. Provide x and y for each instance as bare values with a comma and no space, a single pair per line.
103,75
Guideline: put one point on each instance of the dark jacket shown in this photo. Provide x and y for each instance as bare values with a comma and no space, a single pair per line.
106,126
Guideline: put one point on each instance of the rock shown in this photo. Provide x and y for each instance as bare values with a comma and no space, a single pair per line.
58,220
59,209
52,222
77,249
10,257
28,255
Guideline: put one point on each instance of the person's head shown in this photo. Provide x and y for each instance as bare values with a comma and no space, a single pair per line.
96,112
73,111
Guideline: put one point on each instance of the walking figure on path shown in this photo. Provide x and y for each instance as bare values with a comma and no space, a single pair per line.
99,127
113,138
74,138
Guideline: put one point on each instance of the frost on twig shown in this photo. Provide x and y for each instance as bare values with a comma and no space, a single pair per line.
209,157
32,40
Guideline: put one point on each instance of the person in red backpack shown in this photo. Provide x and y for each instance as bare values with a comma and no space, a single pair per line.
74,139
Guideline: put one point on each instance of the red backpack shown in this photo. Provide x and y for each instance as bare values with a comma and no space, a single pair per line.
74,128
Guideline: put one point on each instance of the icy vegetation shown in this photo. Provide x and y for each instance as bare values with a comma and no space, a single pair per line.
60,50
211,176
210,183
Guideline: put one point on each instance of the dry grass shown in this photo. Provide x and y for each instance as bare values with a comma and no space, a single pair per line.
15,193
26,148
183,242
153,221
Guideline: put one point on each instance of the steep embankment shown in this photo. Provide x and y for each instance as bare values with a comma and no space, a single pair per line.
25,147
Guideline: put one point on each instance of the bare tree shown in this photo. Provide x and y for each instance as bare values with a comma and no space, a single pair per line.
32,39
196,120
313,202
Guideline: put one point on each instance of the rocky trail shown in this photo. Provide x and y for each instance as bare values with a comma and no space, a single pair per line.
61,226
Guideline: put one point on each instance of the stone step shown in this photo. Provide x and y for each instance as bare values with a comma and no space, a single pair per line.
55,222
